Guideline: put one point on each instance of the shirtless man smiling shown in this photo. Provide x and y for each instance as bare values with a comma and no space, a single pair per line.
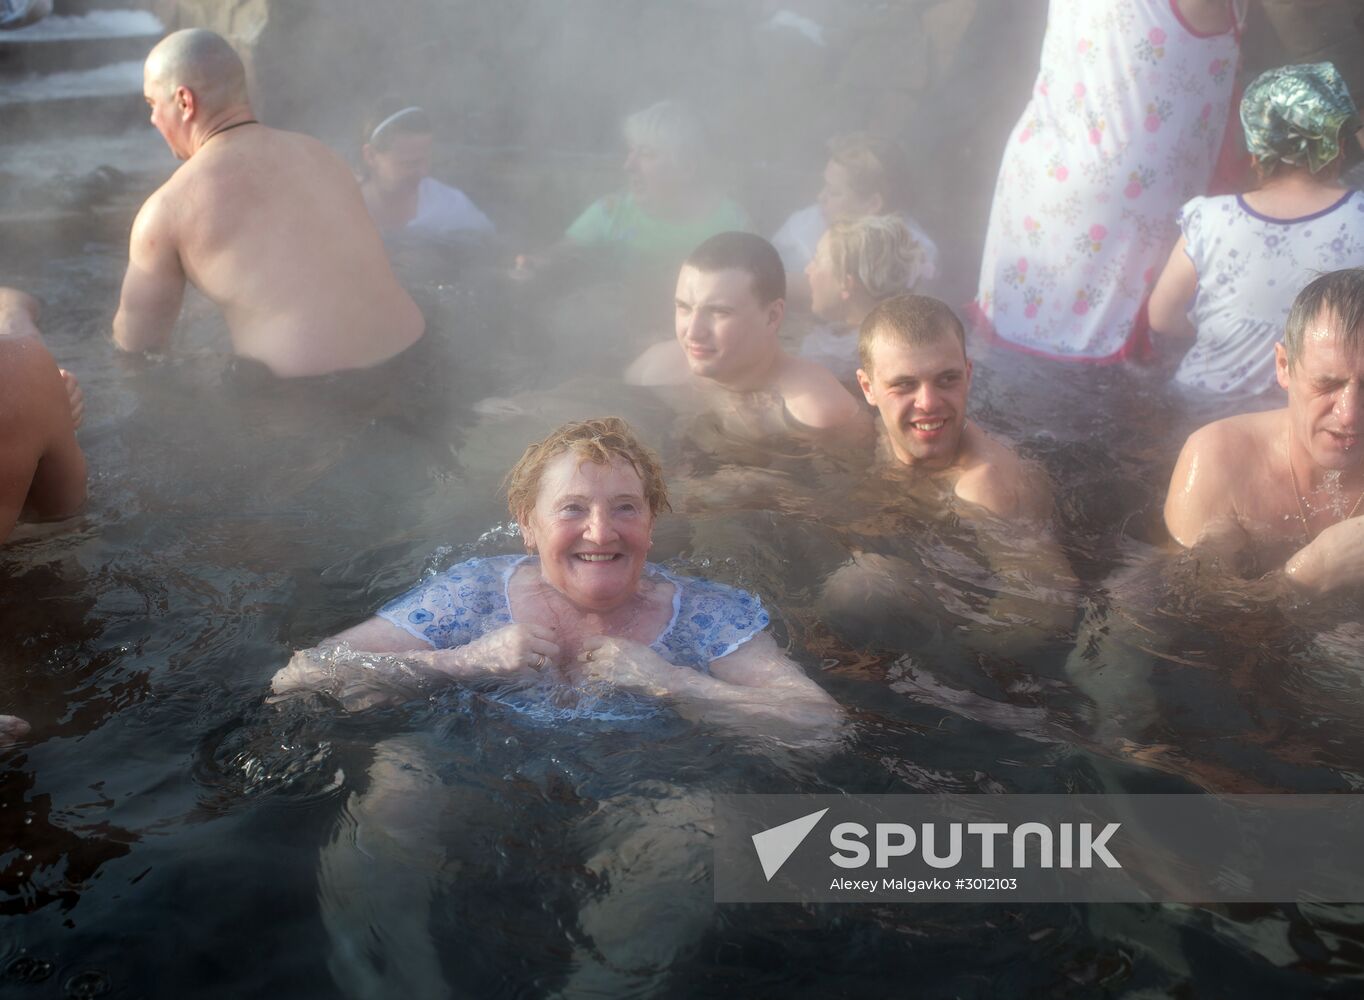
270,225
916,374
1283,490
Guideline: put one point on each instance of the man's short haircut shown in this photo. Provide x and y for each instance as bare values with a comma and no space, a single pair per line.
909,319
1341,294
203,62
673,129
744,252
875,165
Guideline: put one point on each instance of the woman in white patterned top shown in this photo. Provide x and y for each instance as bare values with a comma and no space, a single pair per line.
1227,289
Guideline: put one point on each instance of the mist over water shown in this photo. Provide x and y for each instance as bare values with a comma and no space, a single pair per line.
169,833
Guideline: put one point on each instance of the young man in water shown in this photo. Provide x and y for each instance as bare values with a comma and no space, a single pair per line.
270,225
42,469
729,308
1281,491
915,373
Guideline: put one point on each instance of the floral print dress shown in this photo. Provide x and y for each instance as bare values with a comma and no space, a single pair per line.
1123,127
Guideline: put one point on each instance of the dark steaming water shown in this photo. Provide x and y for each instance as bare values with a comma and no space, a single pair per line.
171,835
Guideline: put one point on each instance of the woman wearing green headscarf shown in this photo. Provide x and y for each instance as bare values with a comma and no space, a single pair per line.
1241,259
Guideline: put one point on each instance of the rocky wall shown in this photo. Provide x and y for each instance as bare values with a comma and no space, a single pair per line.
529,93
775,79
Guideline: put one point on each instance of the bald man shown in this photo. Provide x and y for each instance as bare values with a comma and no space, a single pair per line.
268,224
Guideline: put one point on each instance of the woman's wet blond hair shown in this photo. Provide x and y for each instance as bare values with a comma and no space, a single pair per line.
878,251
602,441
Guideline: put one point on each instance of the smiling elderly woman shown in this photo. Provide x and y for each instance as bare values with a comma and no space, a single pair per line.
584,605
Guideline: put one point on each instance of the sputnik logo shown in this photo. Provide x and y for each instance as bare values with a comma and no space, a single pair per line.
774,846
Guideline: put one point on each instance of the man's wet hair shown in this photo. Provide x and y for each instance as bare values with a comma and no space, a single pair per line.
1341,295
910,319
745,252
205,63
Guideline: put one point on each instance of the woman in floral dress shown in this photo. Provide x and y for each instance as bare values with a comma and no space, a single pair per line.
1123,127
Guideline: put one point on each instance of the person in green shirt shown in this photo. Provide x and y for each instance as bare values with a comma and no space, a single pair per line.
670,203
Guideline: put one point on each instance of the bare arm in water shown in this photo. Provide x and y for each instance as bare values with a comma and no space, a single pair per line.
42,469
154,285
377,662
756,682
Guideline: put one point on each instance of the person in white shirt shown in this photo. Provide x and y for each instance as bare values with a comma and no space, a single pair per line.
395,178
866,175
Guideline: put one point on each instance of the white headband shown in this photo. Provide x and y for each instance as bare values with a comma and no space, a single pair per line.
390,120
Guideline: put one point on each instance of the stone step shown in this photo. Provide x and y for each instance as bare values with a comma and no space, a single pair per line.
99,101
64,44
70,8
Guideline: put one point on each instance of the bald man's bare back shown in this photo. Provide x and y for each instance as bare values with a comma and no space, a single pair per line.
272,227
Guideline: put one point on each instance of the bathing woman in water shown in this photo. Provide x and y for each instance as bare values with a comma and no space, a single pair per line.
583,605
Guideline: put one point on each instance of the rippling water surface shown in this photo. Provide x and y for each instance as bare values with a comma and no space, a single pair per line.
167,832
